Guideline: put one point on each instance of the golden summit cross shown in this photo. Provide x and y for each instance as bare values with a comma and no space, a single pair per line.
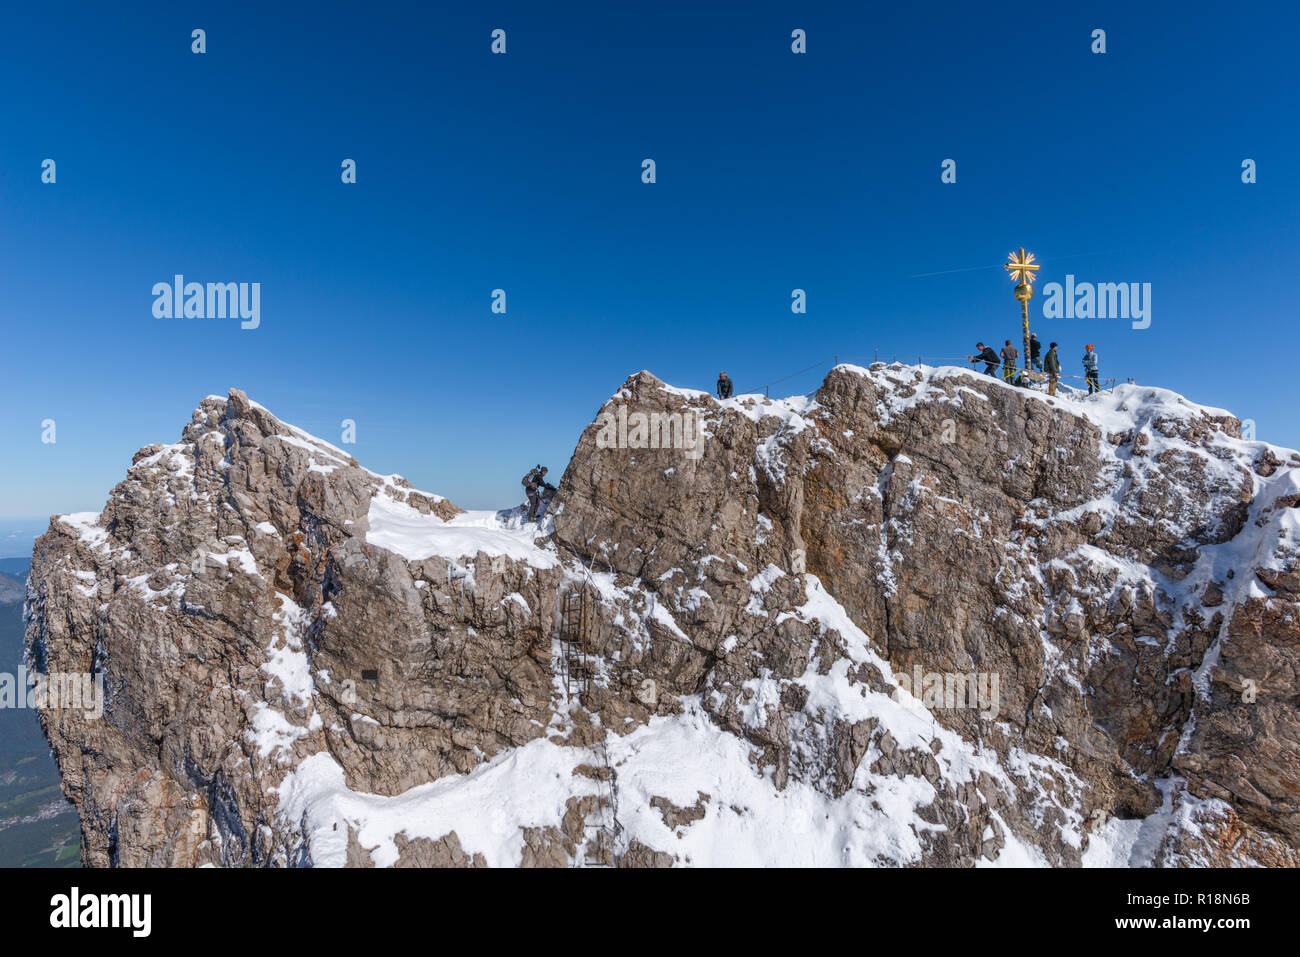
1021,266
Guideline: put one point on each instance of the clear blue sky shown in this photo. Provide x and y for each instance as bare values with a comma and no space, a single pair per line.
523,171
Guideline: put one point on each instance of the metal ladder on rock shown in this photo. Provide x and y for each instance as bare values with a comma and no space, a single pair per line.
576,623
575,644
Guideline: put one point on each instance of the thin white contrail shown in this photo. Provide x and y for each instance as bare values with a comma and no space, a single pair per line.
945,272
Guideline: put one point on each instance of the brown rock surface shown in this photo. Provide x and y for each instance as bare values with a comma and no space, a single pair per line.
1084,598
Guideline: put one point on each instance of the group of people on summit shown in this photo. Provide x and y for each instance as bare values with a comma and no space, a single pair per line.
540,492
1049,364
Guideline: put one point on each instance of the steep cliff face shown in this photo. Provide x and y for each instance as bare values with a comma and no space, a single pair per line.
918,617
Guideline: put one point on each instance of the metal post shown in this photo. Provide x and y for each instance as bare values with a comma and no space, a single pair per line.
1024,312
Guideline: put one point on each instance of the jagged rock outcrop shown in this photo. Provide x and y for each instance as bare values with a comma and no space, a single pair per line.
306,662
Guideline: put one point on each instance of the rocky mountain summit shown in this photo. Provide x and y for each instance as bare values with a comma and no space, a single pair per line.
918,617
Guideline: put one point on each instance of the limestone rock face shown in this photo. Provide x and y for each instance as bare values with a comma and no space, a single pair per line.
918,617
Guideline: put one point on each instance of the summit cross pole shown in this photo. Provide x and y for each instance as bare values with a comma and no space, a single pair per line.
1021,266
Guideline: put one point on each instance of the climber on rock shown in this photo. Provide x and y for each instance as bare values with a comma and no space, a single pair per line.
532,483
545,494
985,355
725,386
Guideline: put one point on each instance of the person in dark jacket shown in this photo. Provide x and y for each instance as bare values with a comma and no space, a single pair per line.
985,355
1052,366
532,483
1009,356
1035,348
544,496
725,386
1090,369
